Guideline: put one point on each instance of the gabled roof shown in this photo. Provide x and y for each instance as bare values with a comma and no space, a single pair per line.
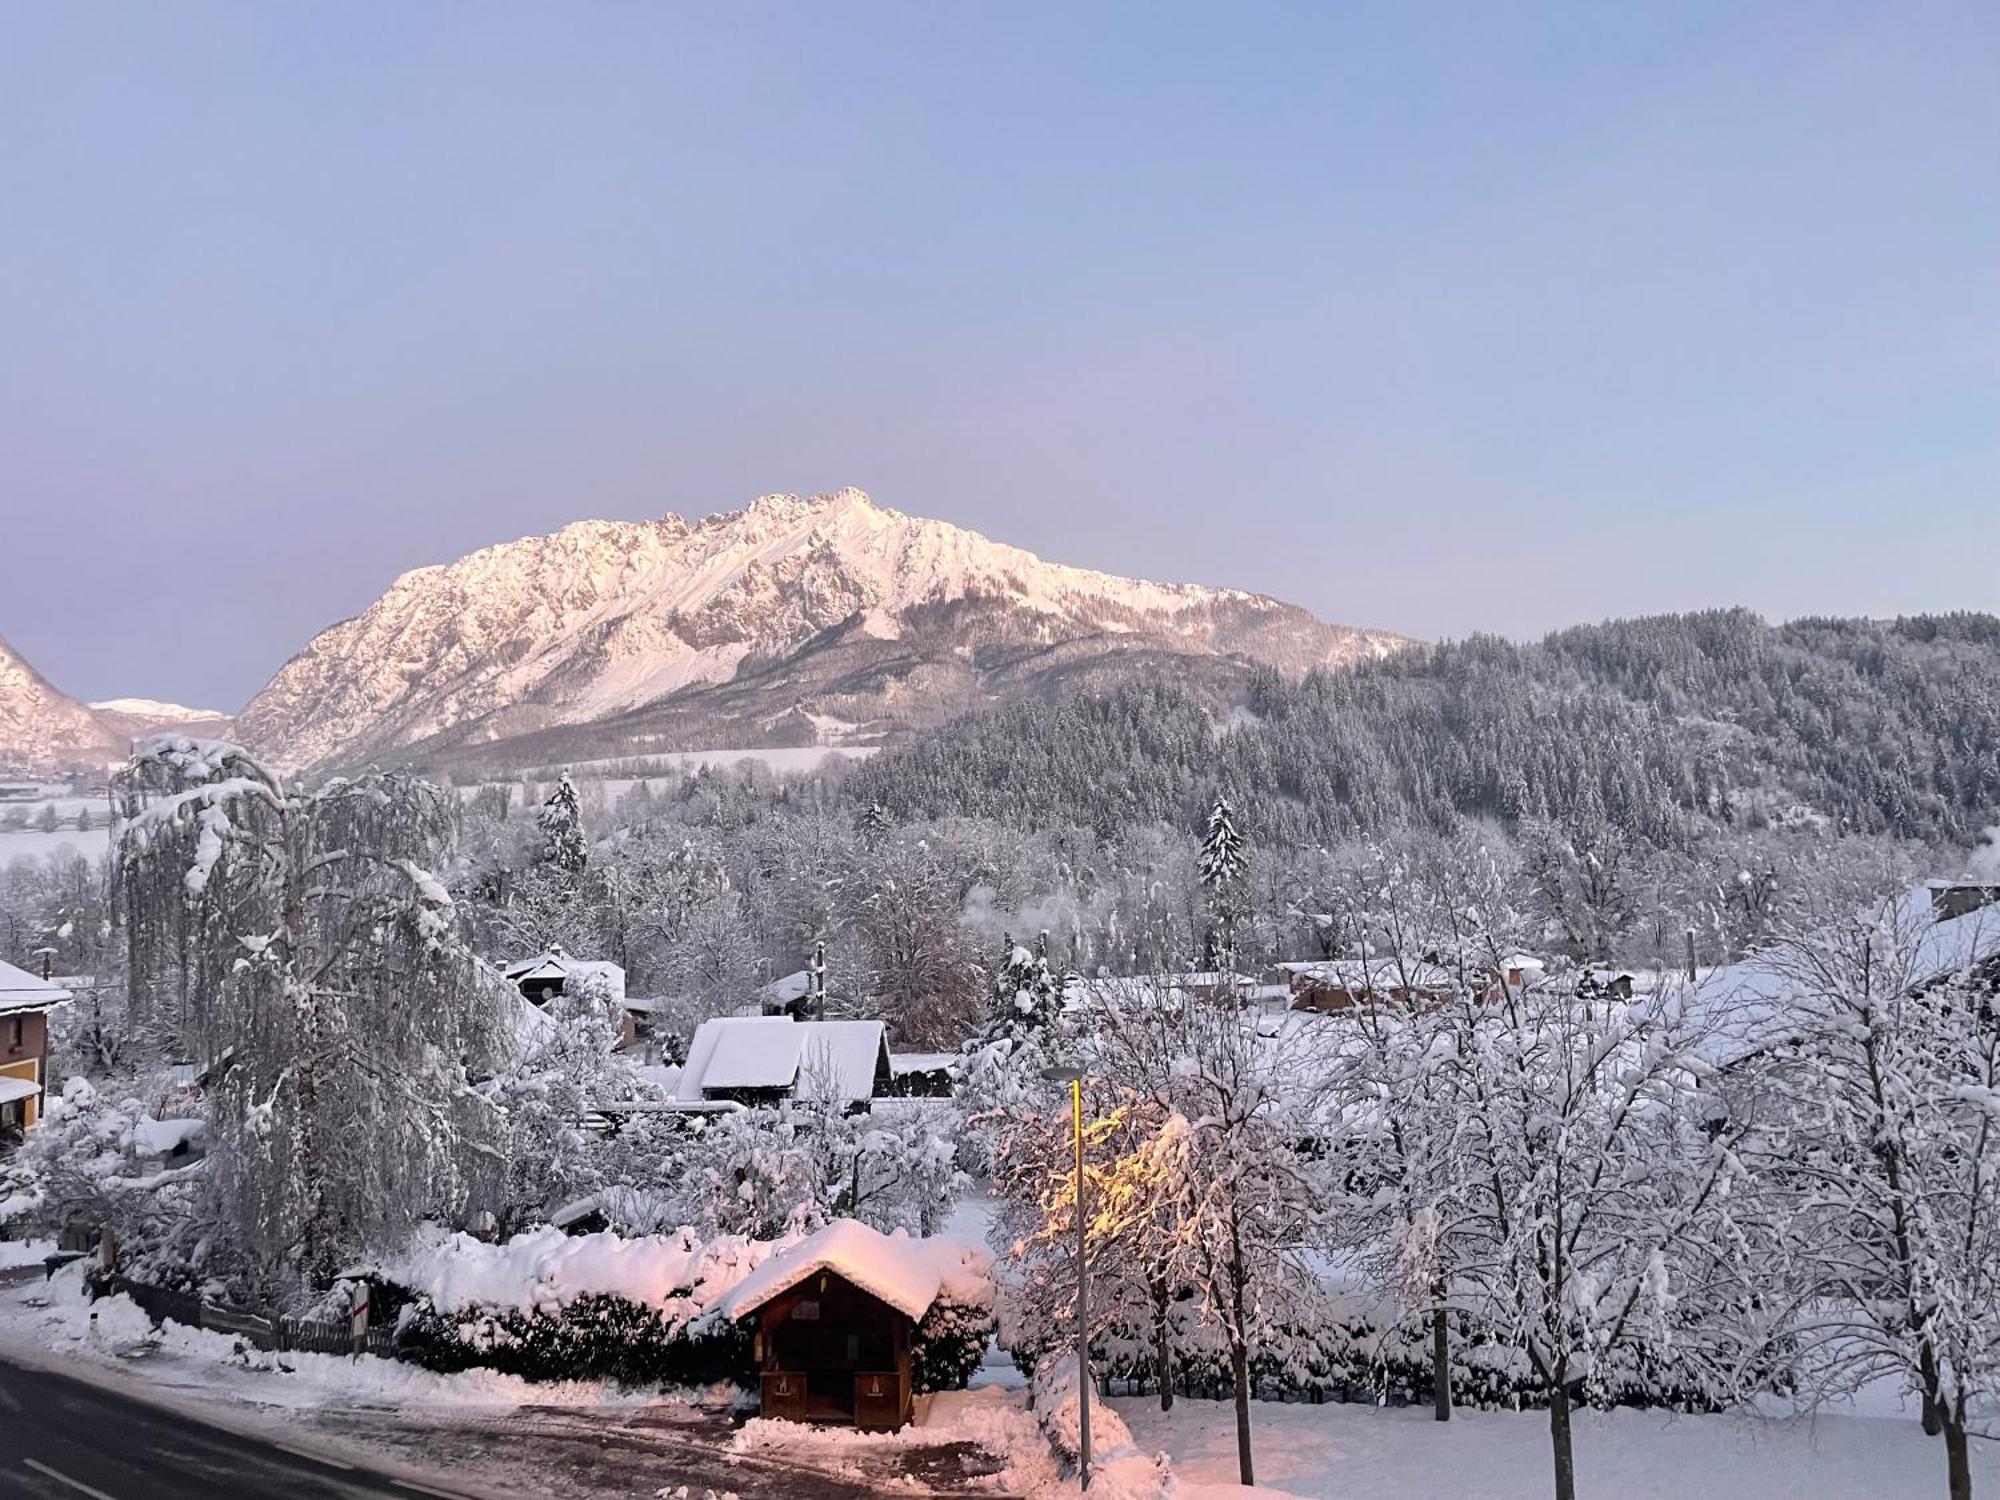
556,964
902,1272
790,987
775,1052
1370,973
20,990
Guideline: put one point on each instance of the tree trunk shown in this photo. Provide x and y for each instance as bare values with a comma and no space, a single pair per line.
1441,1365
1928,1370
1239,1365
1163,1353
1239,1354
1958,1461
1559,1437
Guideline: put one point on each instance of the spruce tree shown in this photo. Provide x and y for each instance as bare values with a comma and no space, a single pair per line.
564,848
1223,857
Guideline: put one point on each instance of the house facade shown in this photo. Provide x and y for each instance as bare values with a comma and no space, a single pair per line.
25,1004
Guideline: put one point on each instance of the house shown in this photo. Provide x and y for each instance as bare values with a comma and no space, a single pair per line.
1139,991
800,994
542,978
834,1321
921,1075
1750,1006
1331,984
1516,972
1951,899
766,1059
25,1003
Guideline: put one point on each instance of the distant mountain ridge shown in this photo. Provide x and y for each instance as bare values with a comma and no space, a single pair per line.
789,621
43,727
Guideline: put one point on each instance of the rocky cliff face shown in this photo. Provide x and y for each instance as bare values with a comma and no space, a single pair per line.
789,620
42,727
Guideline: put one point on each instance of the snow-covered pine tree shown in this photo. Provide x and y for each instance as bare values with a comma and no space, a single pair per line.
1026,993
1224,854
564,847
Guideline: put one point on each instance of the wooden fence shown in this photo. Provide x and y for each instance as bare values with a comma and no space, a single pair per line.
280,1333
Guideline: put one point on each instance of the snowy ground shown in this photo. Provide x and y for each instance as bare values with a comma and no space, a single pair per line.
504,1436
1340,1452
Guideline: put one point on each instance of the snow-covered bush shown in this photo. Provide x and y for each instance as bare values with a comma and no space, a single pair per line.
596,1336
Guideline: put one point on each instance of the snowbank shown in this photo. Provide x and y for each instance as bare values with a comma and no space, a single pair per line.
682,1275
1118,1469
545,1268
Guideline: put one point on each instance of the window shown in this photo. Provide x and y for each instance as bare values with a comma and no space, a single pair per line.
17,1030
805,1312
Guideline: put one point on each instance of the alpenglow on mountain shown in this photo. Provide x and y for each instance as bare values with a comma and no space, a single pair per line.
42,726
792,621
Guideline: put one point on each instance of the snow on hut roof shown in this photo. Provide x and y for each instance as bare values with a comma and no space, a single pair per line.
556,964
12,1088
905,1273
772,1052
20,990
794,986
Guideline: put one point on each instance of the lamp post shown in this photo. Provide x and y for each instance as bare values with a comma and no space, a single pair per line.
1074,1078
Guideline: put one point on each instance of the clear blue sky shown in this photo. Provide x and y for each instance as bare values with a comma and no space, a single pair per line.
1430,318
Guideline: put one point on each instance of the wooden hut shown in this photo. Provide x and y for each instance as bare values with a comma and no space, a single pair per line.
835,1318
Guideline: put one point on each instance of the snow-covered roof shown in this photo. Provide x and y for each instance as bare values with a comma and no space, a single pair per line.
556,964
1754,1004
920,1062
20,990
12,1088
905,1273
151,1137
782,991
1368,973
775,1052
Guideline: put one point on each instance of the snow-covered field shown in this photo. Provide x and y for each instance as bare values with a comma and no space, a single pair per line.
32,843
1355,1452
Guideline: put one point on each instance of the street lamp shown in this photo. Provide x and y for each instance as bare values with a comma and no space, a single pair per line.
1074,1078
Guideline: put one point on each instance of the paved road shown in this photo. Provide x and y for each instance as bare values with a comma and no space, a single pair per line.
62,1439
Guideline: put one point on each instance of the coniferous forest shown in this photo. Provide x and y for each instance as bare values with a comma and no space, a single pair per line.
1666,727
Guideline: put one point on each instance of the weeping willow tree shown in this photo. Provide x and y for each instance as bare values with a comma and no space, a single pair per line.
294,946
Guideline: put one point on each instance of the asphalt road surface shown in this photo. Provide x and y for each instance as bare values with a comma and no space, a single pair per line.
63,1439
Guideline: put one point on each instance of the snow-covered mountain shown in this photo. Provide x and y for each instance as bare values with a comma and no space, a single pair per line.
788,621
134,718
41,726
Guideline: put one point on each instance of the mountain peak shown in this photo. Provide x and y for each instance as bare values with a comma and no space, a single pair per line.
40,725
605,619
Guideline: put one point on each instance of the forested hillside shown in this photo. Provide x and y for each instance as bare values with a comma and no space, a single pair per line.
1662,726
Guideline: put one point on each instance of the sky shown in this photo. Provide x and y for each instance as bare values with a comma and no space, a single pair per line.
1437,319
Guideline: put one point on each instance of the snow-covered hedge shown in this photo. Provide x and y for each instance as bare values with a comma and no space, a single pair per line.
646,1310
1361,1350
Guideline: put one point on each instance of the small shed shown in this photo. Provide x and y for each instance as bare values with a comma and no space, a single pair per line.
835,1318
